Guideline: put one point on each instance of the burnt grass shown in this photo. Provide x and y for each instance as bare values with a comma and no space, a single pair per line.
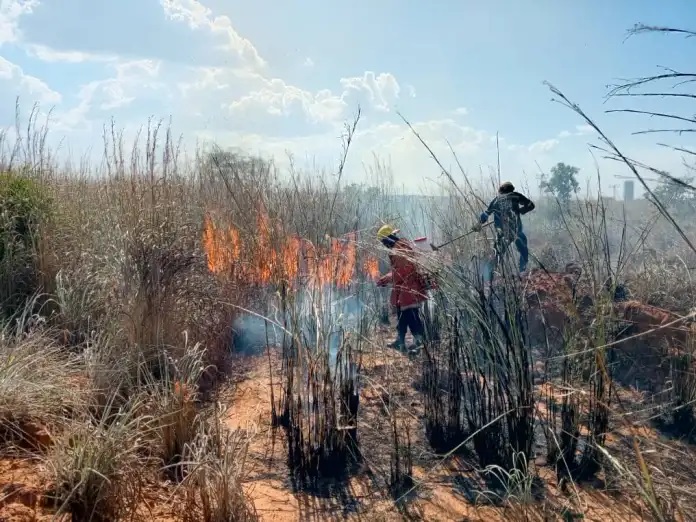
321,429
473,397
477,378
389,382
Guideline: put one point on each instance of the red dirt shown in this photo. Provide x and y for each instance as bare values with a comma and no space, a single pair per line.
388,376
387,384
552,292
23,488
266,483
21,493
562,303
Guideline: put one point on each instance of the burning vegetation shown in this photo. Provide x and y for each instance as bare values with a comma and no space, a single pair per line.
547,378
293,260
318,401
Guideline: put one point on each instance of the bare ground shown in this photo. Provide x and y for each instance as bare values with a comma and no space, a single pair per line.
445,487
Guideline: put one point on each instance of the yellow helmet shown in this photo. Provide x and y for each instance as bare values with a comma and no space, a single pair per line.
386,231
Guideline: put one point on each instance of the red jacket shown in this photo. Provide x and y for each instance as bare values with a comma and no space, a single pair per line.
408,285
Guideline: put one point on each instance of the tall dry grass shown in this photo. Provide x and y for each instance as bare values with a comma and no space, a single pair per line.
129,330
105,372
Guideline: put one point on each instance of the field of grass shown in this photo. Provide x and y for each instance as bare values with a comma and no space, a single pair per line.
204,341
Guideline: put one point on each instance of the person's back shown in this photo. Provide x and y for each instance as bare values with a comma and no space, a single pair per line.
407,279
507,207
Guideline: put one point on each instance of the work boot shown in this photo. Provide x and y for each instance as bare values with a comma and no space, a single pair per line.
415,348
397,345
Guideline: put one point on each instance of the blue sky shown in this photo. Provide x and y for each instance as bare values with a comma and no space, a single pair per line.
275,77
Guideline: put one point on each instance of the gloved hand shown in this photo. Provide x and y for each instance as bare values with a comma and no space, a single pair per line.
483,217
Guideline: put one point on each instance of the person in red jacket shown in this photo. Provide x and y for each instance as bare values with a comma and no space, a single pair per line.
409,288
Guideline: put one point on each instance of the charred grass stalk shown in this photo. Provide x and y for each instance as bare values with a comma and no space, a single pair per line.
578,408
320,399
401,458
284,253
578,401
480,371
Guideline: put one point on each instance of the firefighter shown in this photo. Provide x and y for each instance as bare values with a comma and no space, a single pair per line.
409,287
507,207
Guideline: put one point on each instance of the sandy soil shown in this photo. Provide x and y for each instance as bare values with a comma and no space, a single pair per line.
440,492
444,487
23,496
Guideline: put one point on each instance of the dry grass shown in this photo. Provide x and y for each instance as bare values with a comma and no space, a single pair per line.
214,477
97,468
111,372
39,386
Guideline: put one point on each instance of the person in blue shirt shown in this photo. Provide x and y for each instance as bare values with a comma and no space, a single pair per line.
507,207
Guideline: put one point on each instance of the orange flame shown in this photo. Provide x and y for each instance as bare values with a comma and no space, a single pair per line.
296,259
220,252
371,268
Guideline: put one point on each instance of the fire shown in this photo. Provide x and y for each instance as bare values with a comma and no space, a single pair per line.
291,258
338,265
220,252
371,268
295,260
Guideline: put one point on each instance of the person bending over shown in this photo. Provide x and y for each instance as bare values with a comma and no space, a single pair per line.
409,288
507,207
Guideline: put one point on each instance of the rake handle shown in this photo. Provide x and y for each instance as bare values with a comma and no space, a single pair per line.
436,248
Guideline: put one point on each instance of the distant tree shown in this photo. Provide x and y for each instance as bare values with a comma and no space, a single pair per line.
669,192
562,183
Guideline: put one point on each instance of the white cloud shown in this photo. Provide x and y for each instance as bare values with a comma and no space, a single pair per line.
382,90
47,54
543,145
232,88
131,80
10,13
280,99
580,130
22,83
197,16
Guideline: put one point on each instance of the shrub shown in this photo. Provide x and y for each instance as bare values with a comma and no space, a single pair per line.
39,387
97,466
24,209
174,401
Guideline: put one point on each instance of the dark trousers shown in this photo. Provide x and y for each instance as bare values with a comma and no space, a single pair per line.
409,319
503,243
